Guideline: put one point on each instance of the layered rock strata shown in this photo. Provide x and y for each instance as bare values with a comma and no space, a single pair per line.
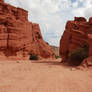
18,37
77,34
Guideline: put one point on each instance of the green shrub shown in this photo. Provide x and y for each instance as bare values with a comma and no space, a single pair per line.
77,56
33,57
57,57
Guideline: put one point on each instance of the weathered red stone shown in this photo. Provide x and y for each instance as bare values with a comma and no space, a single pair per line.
90,20
18,36
88,61
1,0
80,19
75,36
90,44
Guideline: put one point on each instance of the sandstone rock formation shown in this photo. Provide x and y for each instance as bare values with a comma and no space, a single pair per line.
88,61
90,43
75,36
1,0
18,36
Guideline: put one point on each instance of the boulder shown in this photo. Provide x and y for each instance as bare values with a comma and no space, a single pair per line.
87,62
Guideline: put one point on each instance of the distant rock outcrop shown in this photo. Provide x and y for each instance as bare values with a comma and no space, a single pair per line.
77,34
56,50
18,36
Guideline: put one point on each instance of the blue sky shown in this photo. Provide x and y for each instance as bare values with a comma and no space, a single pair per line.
52,15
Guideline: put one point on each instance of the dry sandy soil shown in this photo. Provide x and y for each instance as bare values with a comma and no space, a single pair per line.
43,76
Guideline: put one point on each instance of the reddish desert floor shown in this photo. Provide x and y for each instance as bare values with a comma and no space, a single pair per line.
43,76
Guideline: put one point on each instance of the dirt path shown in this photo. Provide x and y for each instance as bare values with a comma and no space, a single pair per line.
43,77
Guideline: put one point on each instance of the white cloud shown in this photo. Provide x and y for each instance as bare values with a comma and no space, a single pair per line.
75,4
52,15
85,10
13,2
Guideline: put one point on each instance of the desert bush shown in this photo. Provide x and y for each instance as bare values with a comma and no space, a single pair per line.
57,57
78,55
33,57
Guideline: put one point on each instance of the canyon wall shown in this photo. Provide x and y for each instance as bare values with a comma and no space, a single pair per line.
1,0
90,43
78,33
18,37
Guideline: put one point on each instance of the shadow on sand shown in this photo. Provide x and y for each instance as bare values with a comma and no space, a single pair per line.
52,63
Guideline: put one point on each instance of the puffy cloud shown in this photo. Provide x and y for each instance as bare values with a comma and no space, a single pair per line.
75,4
88,12
52,15
84,10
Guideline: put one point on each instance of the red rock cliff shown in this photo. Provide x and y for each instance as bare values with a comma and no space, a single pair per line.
75,36
1,0
18,36
90,43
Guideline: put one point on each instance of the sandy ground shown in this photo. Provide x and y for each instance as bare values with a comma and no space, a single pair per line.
43,77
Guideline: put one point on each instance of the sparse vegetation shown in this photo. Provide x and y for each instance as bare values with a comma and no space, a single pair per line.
33,57
57,57
77,56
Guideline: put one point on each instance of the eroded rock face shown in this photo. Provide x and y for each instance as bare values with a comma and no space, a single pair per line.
90,44
18,36
75,36
87,62
1,0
